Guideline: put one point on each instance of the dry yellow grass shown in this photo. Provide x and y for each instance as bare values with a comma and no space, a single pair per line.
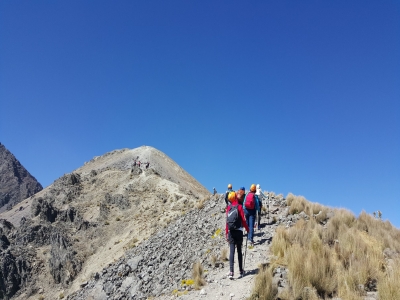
197,274
339,260
224,254
264,289
389,284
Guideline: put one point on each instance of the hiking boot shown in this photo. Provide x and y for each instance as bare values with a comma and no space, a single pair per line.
230,275
241,274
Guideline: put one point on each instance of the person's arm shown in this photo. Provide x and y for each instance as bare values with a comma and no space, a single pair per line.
226,225
241,213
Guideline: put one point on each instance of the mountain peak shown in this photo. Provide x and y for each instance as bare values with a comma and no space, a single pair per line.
16,182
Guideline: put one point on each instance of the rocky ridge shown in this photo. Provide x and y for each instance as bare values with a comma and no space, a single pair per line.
56,239
16,183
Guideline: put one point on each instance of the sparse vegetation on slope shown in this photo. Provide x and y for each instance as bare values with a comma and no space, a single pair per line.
344,258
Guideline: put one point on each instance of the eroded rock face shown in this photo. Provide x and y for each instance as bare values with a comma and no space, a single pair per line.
16,183
15,267
63,264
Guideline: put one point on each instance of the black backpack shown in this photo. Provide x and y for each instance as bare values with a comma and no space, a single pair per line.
233,219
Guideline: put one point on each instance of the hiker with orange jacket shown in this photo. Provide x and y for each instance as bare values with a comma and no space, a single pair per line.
235,221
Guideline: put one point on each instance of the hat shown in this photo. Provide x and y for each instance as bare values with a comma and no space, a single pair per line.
242,188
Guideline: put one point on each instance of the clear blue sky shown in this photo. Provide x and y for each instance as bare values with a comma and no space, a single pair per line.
299,96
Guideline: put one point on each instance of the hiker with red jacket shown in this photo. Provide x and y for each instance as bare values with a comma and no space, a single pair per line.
235,222
251,206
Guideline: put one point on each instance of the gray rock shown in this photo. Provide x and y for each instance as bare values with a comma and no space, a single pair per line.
133,262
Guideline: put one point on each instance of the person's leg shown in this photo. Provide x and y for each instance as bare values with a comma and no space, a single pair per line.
251,227
231,252
239,243
259,220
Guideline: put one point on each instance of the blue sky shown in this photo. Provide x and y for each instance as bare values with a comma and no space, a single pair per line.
299,96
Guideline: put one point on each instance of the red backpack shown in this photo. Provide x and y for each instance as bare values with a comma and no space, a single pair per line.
250,201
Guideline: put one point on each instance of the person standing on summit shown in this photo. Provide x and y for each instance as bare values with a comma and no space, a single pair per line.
227,193
250,207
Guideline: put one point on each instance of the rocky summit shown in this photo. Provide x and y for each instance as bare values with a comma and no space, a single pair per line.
16,183
62,236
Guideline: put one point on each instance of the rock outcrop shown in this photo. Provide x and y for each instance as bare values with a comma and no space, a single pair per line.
16,184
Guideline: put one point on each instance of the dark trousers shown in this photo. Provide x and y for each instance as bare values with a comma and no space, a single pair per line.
235,239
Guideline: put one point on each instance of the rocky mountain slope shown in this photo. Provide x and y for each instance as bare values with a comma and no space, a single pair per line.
162,266
16,184
61,236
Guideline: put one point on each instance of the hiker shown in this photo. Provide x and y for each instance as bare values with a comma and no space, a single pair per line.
261,197
147,165
138,163
235,222
227,193
240,195
214,191
134,163
250,207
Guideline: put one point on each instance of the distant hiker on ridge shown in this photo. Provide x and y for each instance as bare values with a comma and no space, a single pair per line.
227,193
214,191
235,222
250,207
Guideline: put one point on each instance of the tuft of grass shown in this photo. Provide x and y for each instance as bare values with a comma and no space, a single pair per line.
224,254
263,286
389,284
197,275
201,203
289,199
213,260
